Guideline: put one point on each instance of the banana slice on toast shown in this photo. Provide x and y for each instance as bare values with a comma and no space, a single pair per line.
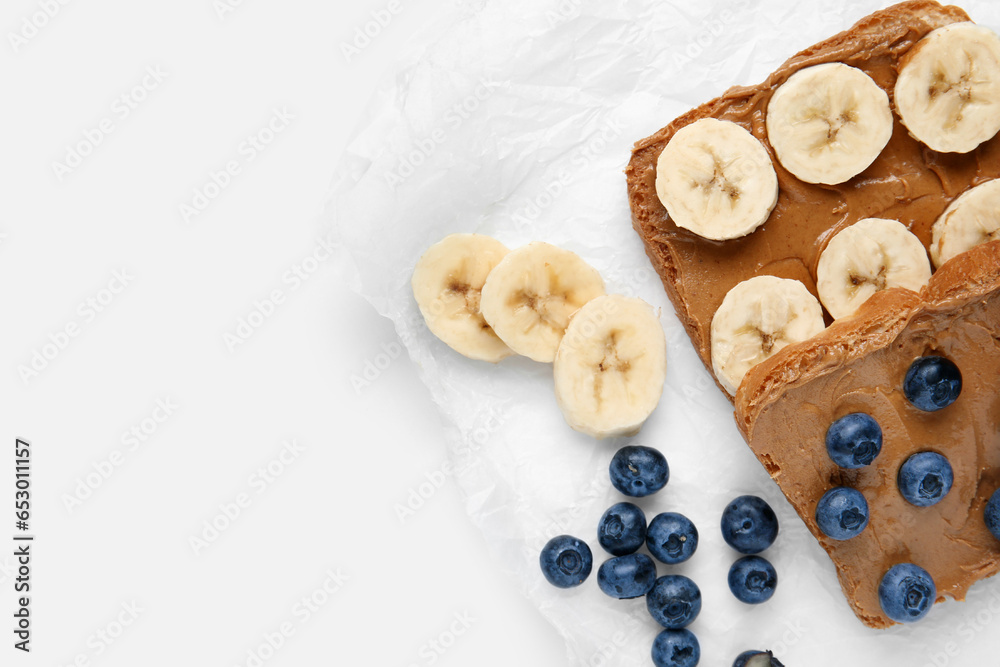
870,255
828,123
971,219
757,318
716,180
948,90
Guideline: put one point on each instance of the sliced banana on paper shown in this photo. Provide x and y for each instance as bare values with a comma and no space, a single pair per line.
828,123
447,282
530,295
971,219
716,180
869,256
948,89
757,318
610,367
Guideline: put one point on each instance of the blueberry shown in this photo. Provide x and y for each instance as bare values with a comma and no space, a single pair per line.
757,659
842,513
671,538
674,601
627,577
752,579
992,514
622,529
853,441
932,383
566,561
925,478
676,648
749,525
639,471
906,593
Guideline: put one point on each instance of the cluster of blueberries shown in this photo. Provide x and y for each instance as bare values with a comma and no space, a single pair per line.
932,383
749,525
674,601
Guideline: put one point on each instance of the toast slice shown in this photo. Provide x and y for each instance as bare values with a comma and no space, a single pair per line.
907,182
784,405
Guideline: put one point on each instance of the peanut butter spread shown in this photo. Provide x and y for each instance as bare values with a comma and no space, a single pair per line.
907,182
785,405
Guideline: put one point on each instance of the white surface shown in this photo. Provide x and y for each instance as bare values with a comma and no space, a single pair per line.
366,448
163,337
539,157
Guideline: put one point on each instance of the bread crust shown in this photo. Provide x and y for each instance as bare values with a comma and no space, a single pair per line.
957,314
903,24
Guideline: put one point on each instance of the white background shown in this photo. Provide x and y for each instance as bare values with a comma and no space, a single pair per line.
115,523
162,337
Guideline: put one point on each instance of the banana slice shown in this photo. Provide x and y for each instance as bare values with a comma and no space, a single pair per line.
869,256
531,294
948,89
757,318
971,219
828,123
610,367
447,282
716,180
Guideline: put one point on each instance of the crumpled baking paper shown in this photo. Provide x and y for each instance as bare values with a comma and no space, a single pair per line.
517,122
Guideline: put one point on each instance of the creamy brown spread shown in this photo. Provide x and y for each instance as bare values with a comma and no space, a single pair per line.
907,182
786,404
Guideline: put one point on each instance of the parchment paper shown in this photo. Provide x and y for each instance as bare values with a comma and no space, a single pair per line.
517,121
